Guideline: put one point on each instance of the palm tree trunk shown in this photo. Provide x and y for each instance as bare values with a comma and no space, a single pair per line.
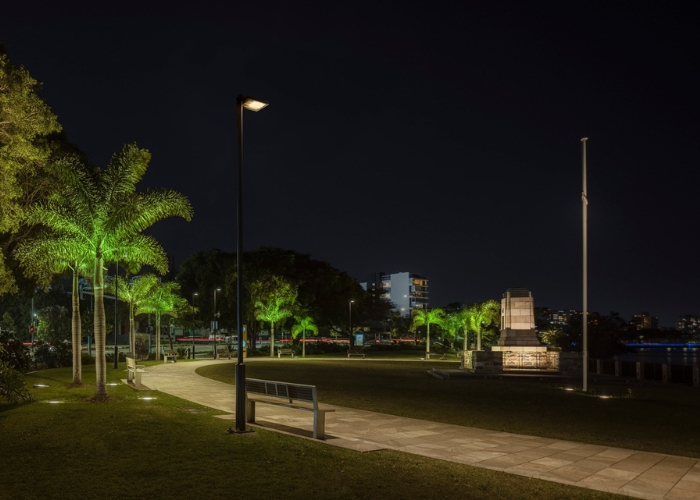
100,327
76,337
303,343
478,338
427,343
466,339
157,336
272,339
132,333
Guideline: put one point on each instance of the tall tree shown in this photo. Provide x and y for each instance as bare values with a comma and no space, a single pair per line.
102,211
302,324
46,256
274,297
480,315
26,122
162,299
452,324
426,317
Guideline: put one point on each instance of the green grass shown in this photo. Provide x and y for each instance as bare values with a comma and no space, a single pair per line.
170,448
659,418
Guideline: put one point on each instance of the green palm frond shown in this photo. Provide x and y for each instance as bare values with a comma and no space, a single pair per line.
126,168
304,324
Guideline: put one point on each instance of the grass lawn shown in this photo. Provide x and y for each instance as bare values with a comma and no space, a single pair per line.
128,447
660,418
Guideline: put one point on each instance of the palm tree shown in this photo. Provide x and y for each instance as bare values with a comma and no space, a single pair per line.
482,314
47,256
100,213
465,315
425,317
135,293
452,323
302,324
161,299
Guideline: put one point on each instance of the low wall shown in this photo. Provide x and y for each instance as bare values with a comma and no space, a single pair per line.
566,363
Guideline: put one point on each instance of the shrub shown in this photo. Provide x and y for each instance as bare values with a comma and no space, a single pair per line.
142,348
12,386
110,357
53,355
181,352
15,354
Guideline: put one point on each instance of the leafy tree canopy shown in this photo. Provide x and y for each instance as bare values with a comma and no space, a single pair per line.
26,122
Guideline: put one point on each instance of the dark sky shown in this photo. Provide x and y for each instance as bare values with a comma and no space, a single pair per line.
441,138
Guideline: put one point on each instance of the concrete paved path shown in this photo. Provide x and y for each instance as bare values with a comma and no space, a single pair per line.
616,470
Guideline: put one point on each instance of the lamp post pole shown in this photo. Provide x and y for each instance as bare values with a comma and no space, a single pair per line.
215,323
194,294
350,323
253,105
116,306
584,199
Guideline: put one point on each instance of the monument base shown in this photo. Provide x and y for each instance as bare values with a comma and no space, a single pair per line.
565,363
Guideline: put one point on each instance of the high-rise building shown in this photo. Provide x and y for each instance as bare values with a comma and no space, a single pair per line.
406,290
689,324
644,321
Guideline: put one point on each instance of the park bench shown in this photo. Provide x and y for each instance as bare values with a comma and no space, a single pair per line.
285,350
169,354
356,352
223,352
297,396
133,372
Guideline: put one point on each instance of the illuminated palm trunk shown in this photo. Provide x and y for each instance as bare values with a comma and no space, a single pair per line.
157,336
132,332
272,339
427,342
100,328
76,332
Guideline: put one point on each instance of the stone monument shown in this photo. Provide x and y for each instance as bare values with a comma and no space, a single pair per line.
518,332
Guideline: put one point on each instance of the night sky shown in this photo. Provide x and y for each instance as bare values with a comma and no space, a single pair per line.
441,138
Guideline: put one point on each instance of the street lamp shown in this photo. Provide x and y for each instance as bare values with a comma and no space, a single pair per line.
215,323
194,294
584,199
350,322
251,104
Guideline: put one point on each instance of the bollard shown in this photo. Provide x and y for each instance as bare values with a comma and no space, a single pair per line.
598,366
666,373
640,370
618,368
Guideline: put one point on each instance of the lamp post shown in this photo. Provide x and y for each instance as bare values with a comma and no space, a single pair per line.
584,199
116,305
215,323
194,294
350,323
251,104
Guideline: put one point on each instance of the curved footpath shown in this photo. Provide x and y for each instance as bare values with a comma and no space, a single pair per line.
615,470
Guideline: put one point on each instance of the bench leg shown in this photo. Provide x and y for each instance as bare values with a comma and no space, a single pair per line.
137,379
319,425
250,412
129,376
